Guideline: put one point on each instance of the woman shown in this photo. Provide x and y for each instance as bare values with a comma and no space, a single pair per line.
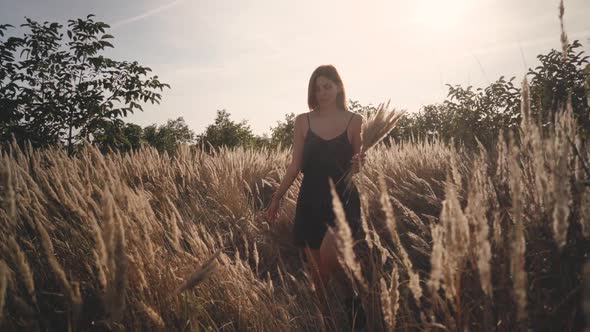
327,142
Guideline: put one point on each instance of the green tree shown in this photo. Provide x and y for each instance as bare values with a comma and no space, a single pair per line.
116,135
55,90
469,114
480,114
356,107
225,132
282,134
167,137
555,79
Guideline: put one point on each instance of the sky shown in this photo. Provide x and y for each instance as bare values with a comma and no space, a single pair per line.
254,58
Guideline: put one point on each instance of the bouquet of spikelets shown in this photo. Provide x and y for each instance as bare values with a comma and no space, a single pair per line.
374,129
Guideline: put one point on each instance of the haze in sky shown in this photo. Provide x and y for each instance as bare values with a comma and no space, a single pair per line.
254,58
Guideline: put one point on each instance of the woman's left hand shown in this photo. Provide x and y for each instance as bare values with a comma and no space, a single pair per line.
358,160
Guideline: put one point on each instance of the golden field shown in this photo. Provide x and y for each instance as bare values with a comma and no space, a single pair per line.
453,240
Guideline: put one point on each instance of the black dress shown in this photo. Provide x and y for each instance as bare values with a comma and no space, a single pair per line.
313,212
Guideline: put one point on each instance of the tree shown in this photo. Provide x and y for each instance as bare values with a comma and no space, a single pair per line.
51,87
118,136
282,134
481,114
557,78
225,132
167,137
356,107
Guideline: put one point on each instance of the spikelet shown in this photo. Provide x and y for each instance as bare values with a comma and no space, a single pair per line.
390,300
152,314
200,274
414,284
477,207
375,128
60,274
563,37
256,257
451,241
23,268
344,241
561,184
518,239
437,259
11,196
119,265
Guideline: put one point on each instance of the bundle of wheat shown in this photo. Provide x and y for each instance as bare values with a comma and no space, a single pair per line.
376,127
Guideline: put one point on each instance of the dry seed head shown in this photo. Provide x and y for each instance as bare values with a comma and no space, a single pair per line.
476,210
561,183
256,257
117,289
437,258
414,284
202,273
344,239
56,266
23,269
518,239
152,314
390,300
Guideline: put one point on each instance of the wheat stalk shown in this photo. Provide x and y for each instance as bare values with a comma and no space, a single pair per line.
374,130
200,274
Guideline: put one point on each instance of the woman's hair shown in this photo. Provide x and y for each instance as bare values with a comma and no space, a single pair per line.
329,72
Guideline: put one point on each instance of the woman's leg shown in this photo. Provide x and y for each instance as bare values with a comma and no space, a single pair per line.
317,273
332,267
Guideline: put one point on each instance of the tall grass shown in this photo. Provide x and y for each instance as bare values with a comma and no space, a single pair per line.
451,240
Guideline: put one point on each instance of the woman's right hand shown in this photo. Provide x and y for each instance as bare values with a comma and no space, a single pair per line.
272,211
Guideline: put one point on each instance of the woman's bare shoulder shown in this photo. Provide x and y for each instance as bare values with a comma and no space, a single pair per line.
357,117
300,117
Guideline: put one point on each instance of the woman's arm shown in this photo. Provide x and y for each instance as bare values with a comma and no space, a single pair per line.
296,159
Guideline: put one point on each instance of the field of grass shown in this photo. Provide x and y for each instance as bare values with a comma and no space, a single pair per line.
453,240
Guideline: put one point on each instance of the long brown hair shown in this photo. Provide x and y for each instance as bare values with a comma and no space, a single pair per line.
329,72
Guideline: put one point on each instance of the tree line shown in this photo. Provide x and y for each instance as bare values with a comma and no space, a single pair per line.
58,89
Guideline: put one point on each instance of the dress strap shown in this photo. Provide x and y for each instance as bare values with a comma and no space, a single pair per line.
349,121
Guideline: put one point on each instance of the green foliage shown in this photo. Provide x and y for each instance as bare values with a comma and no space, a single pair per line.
555,79
51,85
116,135
481,114
166,138
355,107
225,132
469,115
282,134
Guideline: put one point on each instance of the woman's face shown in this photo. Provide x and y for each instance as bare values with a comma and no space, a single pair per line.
325,90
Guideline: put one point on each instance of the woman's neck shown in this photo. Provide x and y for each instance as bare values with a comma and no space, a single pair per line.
329,109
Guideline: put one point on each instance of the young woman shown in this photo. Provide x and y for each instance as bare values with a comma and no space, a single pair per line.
327,141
